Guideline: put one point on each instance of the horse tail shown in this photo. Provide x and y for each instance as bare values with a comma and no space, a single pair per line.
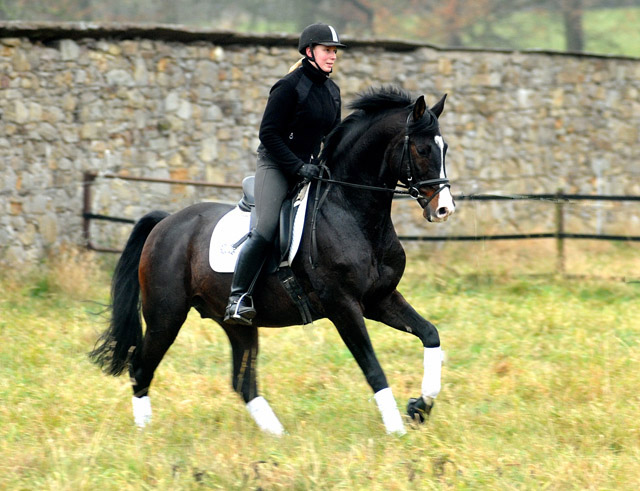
114,348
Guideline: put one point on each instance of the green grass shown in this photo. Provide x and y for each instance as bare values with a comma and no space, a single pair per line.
539,388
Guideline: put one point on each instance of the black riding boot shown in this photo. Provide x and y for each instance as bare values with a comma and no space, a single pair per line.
240,309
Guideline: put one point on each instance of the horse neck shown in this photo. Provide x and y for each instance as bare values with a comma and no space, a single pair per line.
363,160
362,164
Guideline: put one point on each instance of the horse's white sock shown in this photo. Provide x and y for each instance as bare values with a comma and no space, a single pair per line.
264,416
141,410
432,372
389,410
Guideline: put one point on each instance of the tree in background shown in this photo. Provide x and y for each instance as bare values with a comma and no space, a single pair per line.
466,23
572,16
478,23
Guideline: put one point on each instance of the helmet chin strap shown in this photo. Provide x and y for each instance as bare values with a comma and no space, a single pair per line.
313,56
312,59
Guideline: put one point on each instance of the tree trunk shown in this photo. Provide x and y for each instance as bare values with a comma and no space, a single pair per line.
572,14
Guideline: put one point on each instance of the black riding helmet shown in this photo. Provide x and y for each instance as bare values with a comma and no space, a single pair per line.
318,33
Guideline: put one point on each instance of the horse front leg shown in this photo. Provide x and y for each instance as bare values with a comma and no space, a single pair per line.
244,347
396,312
351,327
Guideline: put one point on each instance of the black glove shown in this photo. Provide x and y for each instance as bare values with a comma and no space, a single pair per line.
309,171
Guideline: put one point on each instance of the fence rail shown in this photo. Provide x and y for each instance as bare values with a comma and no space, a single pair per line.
87,215
559,199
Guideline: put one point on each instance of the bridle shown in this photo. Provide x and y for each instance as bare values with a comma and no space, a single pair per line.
411,189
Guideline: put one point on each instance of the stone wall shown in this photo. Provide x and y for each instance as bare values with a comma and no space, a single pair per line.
169,102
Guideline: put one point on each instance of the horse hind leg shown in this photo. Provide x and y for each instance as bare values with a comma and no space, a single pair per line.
244,346
161,332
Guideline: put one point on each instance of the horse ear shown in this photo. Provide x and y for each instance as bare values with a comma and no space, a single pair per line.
419,108
438,107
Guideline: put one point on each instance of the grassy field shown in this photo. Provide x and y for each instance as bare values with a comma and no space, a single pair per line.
540,386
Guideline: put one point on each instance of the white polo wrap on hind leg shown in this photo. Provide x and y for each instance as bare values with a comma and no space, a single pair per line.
141,411
389,410
432,372
263,415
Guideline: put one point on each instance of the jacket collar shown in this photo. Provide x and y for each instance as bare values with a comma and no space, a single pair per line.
315,74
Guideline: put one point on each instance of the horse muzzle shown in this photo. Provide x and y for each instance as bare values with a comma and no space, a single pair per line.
439,206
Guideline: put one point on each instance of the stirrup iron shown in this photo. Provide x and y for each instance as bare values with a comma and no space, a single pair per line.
238,317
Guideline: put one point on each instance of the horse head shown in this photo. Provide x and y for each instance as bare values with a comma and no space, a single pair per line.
405,147
421,162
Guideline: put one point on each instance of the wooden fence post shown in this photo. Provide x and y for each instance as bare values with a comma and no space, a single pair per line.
560,263
87,182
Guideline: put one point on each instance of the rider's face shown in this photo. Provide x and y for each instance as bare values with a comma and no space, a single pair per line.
325,56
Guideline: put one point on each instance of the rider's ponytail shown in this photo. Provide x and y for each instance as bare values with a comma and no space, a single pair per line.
296,65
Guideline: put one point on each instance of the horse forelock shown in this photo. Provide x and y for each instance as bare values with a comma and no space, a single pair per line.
427,124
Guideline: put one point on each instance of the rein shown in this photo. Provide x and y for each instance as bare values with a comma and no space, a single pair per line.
410,190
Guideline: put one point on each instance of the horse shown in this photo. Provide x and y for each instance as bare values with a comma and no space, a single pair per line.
349,263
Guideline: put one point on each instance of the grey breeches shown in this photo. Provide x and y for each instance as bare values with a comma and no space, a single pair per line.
271,188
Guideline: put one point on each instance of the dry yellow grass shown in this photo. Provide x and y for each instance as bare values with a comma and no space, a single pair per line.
539,387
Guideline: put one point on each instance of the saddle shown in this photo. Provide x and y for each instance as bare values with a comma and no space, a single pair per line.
232,230
285,240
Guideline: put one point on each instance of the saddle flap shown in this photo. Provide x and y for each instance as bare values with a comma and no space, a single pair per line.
286,226
229,232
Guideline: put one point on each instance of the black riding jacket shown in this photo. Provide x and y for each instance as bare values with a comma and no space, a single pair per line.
292,130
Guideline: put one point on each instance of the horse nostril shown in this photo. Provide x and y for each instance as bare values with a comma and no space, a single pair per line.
442,211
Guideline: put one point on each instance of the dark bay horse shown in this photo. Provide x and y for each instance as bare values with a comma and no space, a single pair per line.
358,261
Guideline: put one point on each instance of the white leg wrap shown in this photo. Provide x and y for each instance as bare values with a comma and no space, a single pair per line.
432,372
141,411
264,416
389,410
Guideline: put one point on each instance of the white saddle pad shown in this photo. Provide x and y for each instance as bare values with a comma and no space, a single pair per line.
236,224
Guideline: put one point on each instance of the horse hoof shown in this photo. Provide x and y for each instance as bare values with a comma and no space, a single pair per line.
419,408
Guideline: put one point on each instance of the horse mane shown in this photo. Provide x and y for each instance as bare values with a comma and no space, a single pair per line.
369,107
374,100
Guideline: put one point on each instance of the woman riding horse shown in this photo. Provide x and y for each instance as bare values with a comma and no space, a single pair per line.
390,139
303,107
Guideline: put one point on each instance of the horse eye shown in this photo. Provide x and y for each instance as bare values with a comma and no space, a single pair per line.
424,151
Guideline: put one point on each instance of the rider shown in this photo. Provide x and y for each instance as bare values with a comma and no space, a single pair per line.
303,107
